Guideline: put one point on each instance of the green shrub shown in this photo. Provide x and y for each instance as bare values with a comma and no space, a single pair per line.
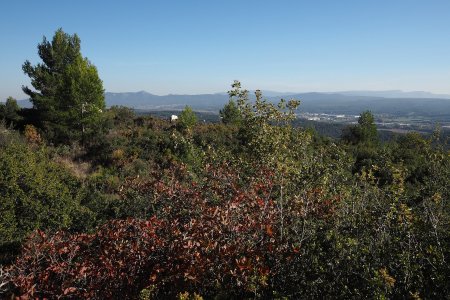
35,193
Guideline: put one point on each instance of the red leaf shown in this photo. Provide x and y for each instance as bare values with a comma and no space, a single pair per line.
70,290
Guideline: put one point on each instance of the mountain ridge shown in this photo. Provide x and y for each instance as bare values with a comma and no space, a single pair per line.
312,102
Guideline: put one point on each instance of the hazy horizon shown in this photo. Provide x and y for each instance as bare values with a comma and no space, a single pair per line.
200,47
278,93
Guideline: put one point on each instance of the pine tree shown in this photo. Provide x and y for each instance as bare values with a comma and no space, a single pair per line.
69,95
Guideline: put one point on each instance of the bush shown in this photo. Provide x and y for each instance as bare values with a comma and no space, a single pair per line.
35,192
115,262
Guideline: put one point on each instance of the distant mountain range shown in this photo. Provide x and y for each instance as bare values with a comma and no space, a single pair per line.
383,94
348,102
395,94
144,100
334,103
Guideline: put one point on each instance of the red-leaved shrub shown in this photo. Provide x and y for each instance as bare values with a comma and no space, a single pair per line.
115,262
220,233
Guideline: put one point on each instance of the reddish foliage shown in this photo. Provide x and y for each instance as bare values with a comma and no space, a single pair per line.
220,232
111,263
322,207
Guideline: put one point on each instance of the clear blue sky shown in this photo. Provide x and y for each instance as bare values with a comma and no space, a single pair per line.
202,46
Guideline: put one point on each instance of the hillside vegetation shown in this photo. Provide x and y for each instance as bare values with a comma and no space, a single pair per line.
120,206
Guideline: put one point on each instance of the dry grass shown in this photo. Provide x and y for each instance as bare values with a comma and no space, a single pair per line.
80,170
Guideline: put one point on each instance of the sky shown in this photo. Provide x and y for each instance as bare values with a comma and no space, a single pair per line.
201,46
